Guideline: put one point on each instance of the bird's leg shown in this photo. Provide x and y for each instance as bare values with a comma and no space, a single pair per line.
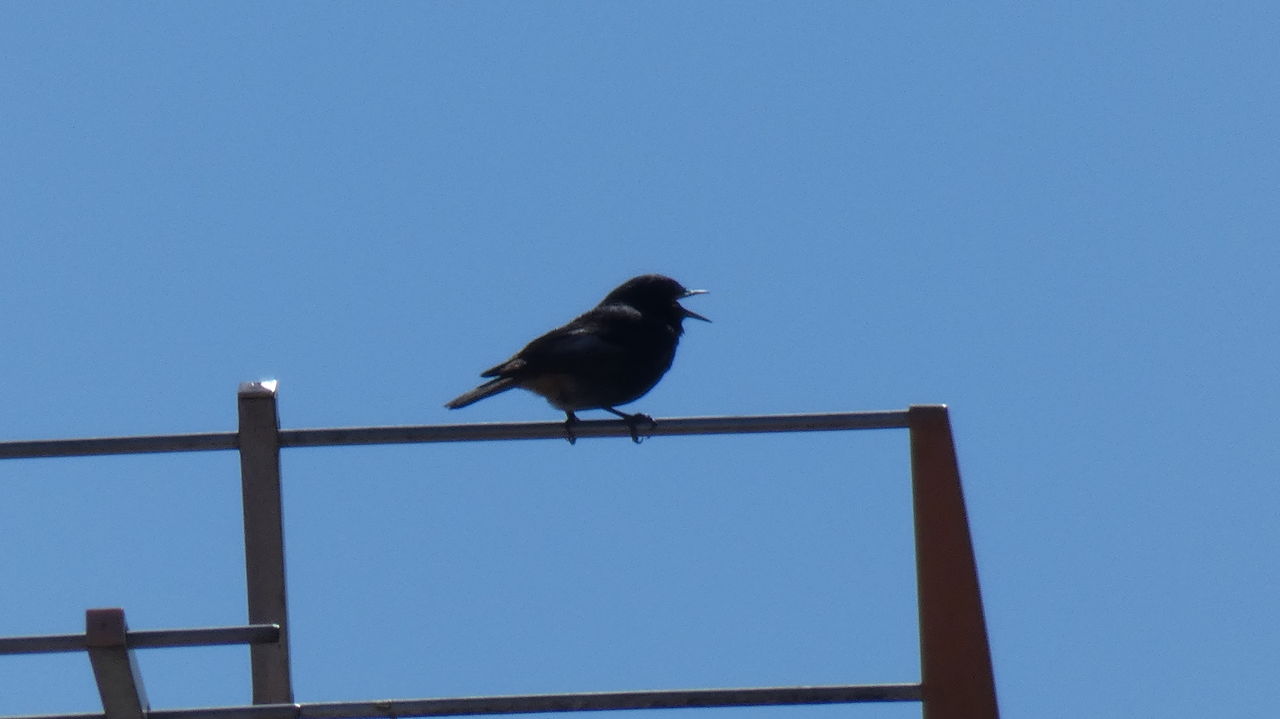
631,420
570,419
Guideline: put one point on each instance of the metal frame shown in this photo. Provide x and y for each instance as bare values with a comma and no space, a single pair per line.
957,681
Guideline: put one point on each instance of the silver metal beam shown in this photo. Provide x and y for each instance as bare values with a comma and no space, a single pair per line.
147,639
114,666
264,539
664,426
537,703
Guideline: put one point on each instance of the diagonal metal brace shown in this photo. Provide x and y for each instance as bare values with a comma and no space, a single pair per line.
115,667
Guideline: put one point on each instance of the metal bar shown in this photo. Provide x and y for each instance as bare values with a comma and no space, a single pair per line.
147,639
537,703
115,668
264,538
206,637
213,441
955,659
663,426
607,701
118,445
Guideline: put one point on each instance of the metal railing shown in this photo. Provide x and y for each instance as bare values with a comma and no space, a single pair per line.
957,681
483,432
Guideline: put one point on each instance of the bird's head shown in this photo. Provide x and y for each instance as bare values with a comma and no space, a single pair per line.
657,295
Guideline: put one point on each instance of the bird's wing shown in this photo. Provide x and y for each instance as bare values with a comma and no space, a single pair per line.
588,340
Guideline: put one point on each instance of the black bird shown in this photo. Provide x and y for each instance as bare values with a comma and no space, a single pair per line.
611,355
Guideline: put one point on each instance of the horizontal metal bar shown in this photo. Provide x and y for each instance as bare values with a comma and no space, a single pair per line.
601,701
537,703
663,426
118,445
147,639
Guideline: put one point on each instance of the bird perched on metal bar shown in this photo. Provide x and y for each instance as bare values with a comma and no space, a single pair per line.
611,355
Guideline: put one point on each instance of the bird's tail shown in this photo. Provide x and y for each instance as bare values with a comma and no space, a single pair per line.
488,389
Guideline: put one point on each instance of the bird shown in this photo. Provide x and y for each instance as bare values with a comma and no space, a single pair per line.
613,354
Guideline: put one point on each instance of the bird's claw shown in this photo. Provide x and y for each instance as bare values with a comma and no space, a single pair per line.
633,419
569,421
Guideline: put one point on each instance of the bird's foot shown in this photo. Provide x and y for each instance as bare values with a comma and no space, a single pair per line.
636,418
570,420
632,421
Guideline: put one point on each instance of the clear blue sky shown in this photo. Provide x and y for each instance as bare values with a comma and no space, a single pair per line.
1059,219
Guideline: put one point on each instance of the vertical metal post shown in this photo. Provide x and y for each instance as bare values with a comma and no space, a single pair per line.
259,440
114,666
955,659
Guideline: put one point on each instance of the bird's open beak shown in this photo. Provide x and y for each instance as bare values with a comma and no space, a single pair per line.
688,312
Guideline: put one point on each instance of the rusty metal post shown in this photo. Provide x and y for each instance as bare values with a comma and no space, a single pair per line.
955,659
259,442
115,668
